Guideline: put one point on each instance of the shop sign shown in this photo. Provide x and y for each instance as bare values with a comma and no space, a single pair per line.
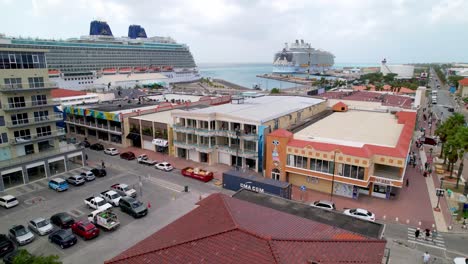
383,181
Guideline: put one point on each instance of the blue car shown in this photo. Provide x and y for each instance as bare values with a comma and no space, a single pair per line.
58,184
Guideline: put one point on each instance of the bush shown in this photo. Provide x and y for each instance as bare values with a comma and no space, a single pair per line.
275,91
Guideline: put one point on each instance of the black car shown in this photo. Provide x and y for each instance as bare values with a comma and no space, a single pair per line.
6,245
62,220
8,258
96,146
63,238
99,172
133,207
85,144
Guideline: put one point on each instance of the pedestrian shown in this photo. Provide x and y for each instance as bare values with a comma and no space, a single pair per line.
426,165
434,234
425,174
86,156
416,233
407,182
102,164
426,258
428,233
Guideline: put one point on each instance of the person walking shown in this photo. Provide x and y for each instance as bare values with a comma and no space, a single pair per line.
426,258
103,165
427,233
407,182
434,235
417,233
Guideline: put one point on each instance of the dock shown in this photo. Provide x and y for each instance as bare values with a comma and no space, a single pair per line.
287,78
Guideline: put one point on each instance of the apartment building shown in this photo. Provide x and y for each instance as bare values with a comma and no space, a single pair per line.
233,133
30,148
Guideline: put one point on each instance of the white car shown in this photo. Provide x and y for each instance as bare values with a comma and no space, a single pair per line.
8,201
165,166
460,260
327,205
40,226
111,151
88,175
360,213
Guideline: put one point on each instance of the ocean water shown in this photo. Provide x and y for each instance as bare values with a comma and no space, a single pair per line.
245,74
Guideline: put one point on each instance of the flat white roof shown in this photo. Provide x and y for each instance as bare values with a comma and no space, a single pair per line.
261,109
161,117
185,97
354,128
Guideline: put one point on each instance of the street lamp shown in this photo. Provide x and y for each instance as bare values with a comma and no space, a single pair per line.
439,195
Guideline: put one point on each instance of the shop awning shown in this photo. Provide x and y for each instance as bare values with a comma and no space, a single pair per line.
160,142
133,136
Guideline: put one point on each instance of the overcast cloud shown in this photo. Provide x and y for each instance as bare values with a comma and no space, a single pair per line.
360,31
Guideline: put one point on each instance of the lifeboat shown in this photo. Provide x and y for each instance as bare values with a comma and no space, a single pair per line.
167,68
125,70
140,69
54,73
109,71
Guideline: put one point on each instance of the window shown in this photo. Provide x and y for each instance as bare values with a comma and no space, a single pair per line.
297,161
4,138
21,135
12,58
21,118
43,131
13,83
41,115
16,102
351,171
275,174
2,120
35,59
36,82
324,166
276,124
39,99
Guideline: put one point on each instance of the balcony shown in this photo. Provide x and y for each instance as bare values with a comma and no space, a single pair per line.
250,136
25,87
94,125
185,145
183,129
43,136
29,105
34,121
204,148
205,132
246,153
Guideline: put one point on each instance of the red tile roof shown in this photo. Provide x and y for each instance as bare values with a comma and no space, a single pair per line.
227,230
367,96
58,93
463,82
281,133
408,119
340,104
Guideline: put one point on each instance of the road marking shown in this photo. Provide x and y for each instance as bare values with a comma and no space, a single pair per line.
438,242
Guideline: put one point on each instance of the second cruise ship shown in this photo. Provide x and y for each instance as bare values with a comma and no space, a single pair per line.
79,63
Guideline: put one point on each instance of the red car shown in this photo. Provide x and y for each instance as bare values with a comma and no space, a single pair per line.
199,174
85,229
128,155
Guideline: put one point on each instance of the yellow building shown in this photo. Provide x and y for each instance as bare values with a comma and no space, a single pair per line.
463,87
29,138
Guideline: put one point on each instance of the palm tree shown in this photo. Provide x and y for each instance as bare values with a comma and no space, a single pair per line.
448,129
461,138
379,86
451,154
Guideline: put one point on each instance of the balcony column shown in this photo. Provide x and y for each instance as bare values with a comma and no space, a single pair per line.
25,173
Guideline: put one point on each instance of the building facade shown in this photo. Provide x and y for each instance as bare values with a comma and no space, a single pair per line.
347,168
30,148
233,133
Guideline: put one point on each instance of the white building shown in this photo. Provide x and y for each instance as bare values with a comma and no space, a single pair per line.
402,71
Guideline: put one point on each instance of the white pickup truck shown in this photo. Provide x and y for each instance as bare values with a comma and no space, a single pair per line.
97,203
124,190
111,196
143,159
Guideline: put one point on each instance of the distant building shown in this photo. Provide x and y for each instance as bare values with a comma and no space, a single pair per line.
402,71
223,229
463,87
30,145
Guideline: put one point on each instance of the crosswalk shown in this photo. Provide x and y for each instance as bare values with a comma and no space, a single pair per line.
437,242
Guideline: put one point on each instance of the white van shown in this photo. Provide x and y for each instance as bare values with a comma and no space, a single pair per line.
434,100
8,201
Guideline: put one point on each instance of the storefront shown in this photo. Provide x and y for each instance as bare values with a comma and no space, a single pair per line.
381,188
13,177
161,145
36,171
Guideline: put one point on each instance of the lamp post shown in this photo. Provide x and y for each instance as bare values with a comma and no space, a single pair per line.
333,176
439,195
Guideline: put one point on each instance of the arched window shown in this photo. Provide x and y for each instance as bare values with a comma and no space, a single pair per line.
275,174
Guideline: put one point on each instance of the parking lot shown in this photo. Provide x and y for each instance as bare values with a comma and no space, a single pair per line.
159,190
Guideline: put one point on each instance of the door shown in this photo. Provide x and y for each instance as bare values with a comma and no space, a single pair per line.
224,158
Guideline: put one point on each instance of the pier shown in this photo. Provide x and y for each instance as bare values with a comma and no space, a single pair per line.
287,78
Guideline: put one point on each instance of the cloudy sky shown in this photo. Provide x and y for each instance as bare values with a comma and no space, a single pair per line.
356,31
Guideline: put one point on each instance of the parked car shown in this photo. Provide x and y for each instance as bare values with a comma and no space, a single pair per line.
85,229
124,190
76,180
40,226
128,155
88,175
105,219
10,257
58,184
198,174
360,213
21,235
460,260
96,146
327,205
6,245
99,172
111,151
133,207
62,220
97,203
165,166
85,144
143,159
63,238
111,197
8,201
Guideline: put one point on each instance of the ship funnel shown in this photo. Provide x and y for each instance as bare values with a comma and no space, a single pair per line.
99,28
136,31
302,41
297,41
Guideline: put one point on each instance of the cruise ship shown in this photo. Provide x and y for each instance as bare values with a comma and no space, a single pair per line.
300,57
79,63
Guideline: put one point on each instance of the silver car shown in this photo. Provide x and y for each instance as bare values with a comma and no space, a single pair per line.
327,205
88,175
40,226
20,235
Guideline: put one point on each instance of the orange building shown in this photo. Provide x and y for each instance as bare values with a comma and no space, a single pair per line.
356,152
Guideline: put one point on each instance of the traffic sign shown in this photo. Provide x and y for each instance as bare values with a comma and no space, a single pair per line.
303,188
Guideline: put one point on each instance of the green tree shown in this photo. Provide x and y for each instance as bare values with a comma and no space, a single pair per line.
24,257
461,140
451,154
453,80
448,128
390,77
379,86
275,91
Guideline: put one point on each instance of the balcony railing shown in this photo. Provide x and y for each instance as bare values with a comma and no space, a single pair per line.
36,137
183,129
28,104
246,153
104,127
27,87
34,121
215,132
